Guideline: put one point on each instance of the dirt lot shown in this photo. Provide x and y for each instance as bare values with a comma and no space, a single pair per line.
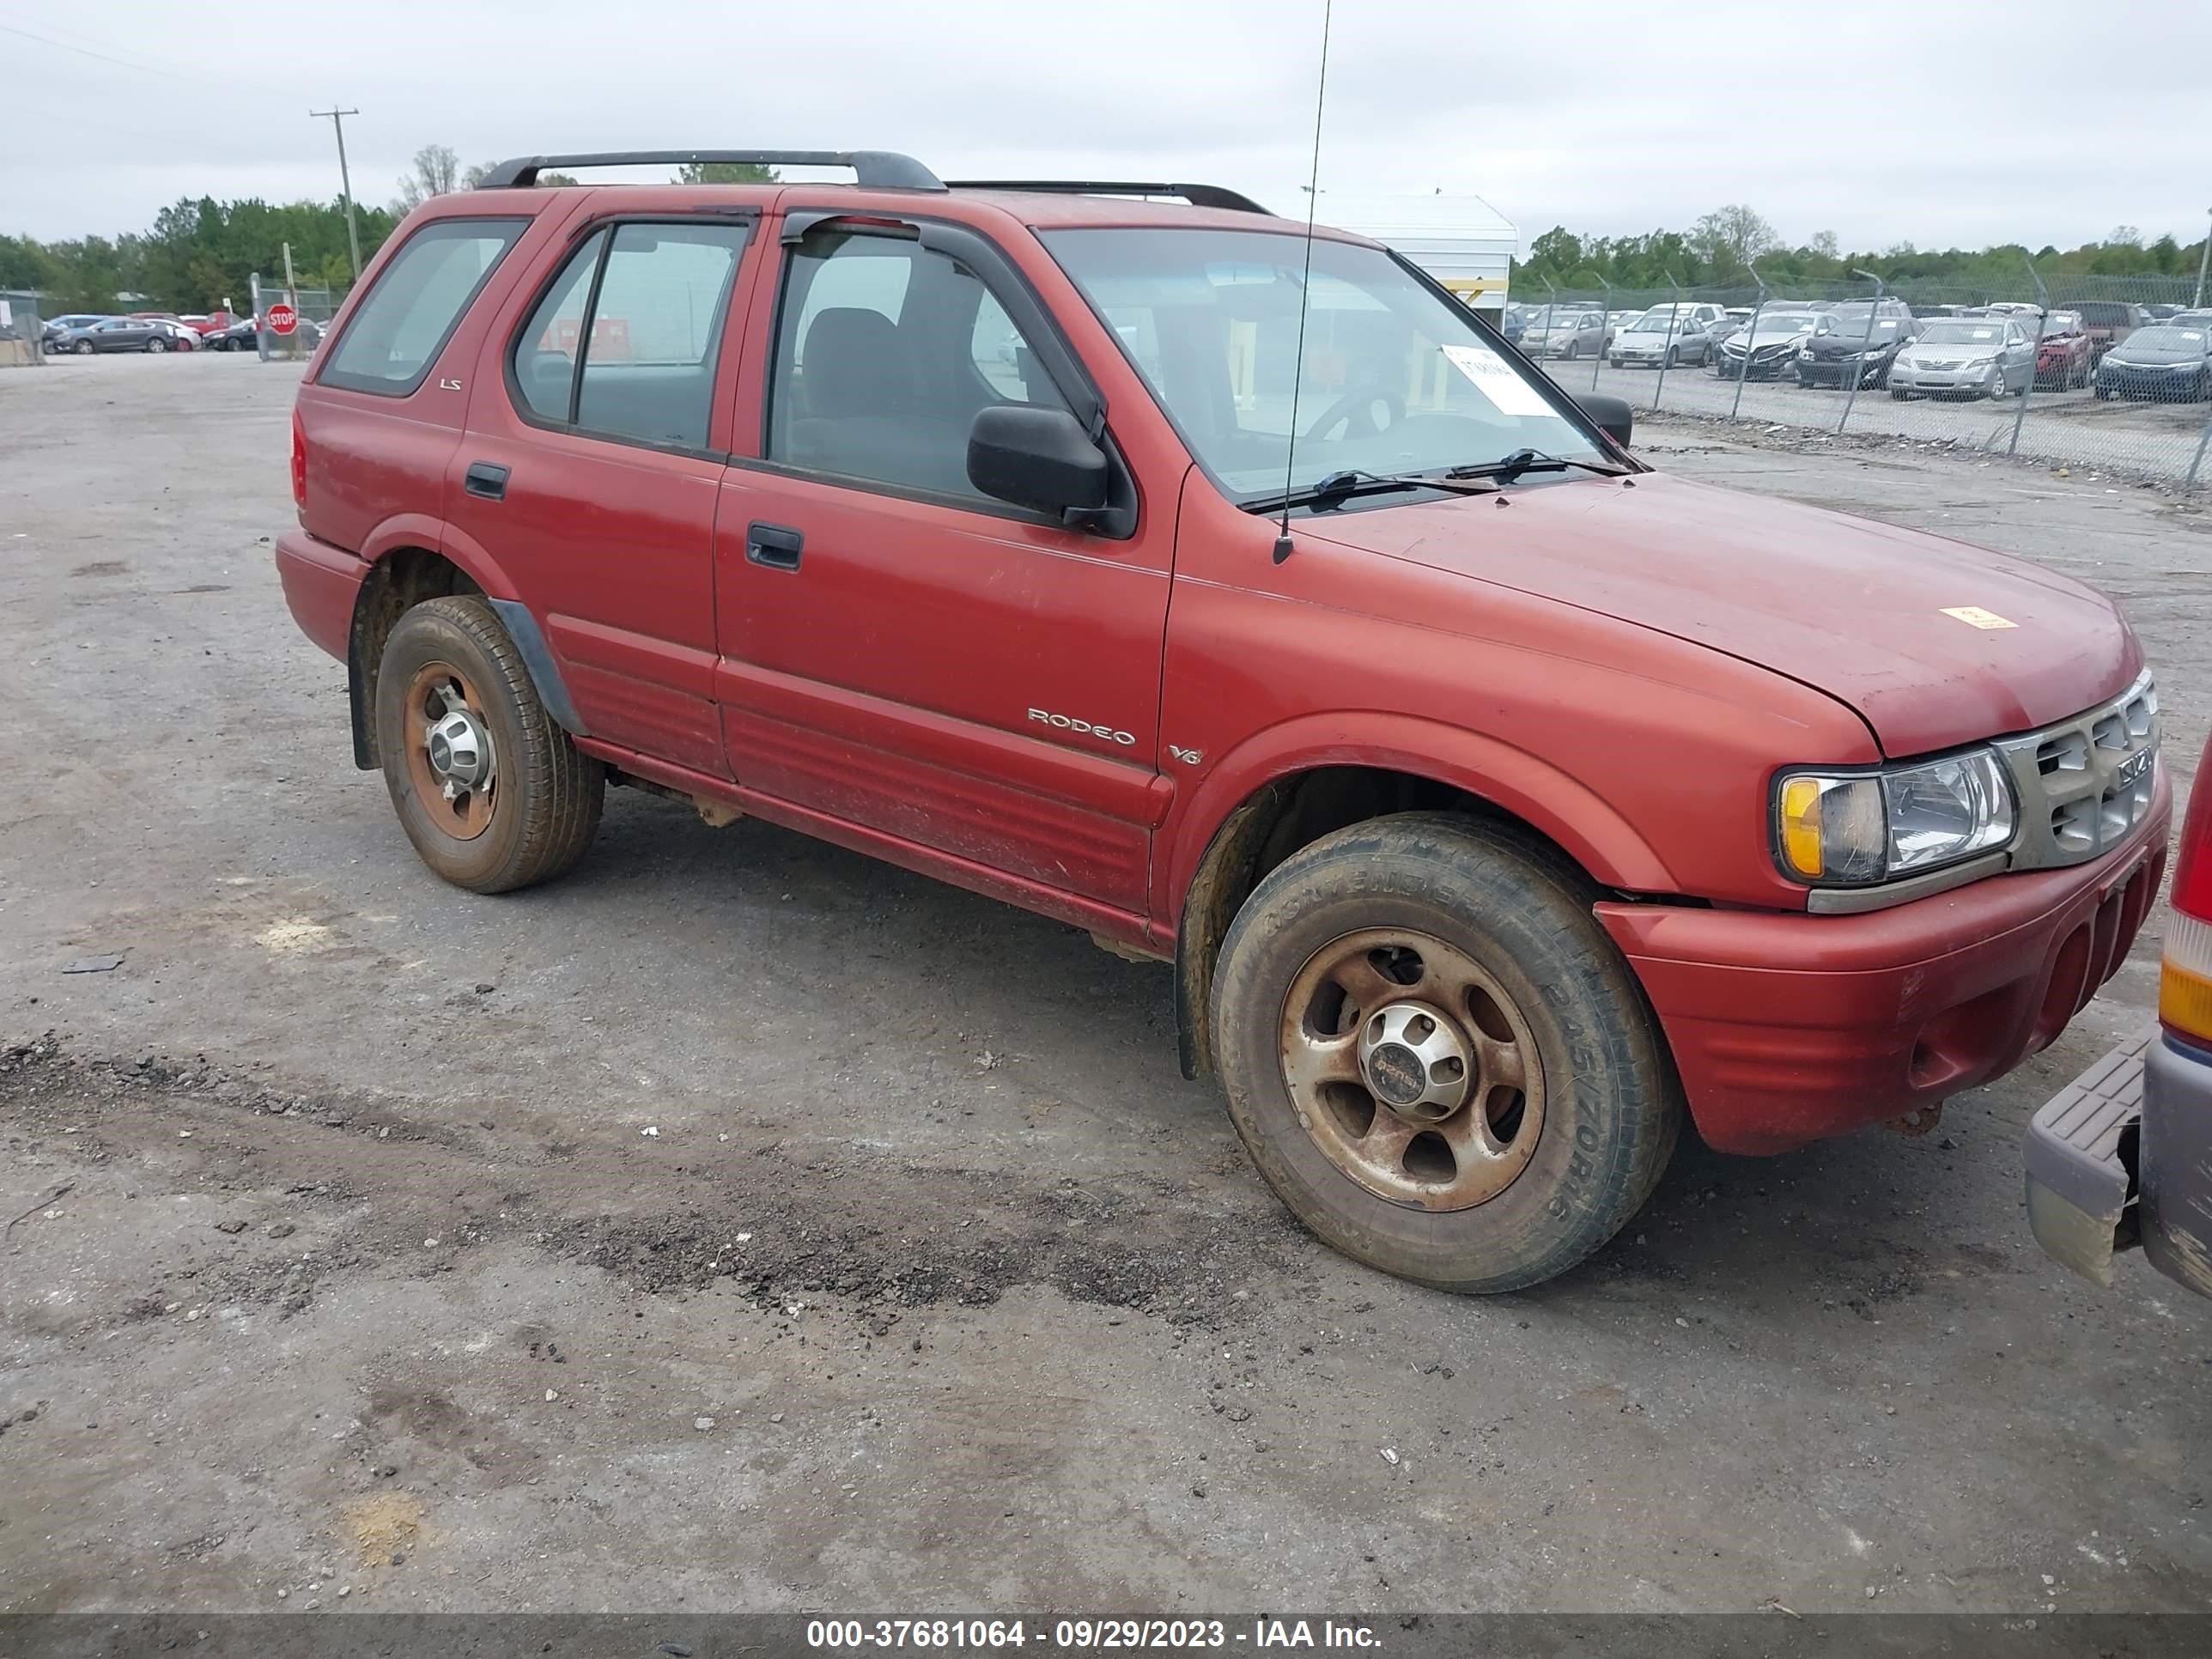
742,1225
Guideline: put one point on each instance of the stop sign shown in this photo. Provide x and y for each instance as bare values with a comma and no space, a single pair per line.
282,319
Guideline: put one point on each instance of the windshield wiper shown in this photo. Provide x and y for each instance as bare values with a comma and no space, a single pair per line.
1343,486
1512,466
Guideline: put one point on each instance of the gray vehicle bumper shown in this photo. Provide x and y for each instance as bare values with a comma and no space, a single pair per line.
2121,1156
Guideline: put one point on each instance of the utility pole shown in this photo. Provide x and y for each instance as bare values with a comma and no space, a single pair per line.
345,180
2202,260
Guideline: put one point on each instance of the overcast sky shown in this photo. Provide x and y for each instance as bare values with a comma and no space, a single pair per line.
1940,124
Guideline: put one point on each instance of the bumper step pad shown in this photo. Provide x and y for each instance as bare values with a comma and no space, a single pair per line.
2078,1188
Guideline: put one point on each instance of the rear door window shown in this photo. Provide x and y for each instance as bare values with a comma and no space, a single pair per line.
396,333
624,343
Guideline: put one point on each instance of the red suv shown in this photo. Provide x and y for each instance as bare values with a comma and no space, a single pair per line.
1251,605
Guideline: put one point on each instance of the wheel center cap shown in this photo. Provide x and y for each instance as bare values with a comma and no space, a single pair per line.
459,753
1416,1060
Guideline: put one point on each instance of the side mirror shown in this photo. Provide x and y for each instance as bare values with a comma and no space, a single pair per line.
1038,458
1611,415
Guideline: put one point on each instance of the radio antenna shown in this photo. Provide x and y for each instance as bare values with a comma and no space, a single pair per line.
1305,290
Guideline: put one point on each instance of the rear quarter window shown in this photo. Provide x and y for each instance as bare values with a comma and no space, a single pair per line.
420,297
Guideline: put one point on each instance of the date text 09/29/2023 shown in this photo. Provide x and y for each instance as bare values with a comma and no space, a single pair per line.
1085,1635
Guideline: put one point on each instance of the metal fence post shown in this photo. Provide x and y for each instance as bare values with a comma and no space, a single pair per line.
1750,339
1551,298
260,329
1859,373
1674,318
2034,358
1605,332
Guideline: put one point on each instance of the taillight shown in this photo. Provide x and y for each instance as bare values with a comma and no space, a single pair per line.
2184,981
299,461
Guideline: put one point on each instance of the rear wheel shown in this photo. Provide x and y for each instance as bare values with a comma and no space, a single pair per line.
1435,1057
494,794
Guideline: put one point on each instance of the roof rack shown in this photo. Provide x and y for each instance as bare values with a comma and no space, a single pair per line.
1204,196
879,169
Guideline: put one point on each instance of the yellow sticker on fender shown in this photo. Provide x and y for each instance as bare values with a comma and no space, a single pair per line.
1974,617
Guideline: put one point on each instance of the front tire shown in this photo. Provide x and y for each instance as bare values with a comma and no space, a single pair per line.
493,793
157,346
1367,967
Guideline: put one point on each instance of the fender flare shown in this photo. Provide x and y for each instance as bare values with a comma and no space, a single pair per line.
413,531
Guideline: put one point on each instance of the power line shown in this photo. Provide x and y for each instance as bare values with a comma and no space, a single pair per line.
86,51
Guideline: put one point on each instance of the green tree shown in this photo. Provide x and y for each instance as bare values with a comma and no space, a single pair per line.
725,173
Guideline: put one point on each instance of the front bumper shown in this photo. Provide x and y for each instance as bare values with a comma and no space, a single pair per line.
1904,378
1759,368
1837,371
2159,384
1793,1028
2121,1156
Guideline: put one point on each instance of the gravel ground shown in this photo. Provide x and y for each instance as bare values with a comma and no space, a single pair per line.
739,1224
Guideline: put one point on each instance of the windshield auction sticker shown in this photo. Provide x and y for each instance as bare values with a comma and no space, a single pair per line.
1496,380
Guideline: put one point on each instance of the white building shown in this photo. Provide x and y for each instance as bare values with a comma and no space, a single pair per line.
1463,241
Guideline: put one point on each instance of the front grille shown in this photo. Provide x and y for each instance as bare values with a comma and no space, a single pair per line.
1945,366
2085,783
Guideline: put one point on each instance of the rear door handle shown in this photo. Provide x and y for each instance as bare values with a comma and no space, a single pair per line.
777,546
485,480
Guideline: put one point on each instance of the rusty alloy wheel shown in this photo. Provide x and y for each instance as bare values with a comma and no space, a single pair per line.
1412,1069
450,756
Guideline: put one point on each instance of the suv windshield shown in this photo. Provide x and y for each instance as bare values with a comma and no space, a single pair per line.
1394,378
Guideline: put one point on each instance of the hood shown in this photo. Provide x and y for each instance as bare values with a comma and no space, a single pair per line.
1847,345
1767,339
1852,607
2128,352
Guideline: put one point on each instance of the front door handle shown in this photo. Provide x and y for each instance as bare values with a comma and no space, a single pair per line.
484,480
777,546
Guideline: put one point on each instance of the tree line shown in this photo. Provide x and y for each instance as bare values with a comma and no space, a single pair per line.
1721,247
199,253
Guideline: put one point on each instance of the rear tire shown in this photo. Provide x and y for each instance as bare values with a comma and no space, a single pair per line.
536,806
1490,930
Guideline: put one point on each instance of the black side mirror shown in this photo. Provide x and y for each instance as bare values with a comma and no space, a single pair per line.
1036,458
1611,415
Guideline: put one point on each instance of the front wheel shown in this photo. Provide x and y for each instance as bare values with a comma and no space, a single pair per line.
157,346
493,793
1437,1058
84,348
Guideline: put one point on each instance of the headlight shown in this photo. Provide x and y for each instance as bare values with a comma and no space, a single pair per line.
1853,828
1806,352
1979,362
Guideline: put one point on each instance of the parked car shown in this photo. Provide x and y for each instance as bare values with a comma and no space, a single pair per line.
1965,357
1513,322
2123,1155
1857,342
1659,336
1463,963
2162,313
1568,334
115,334
243,336
2065,356
2110,322
58,329
1768,348
180,335
2191,319
2160,362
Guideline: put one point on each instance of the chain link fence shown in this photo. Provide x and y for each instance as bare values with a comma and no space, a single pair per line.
314,306
2107,373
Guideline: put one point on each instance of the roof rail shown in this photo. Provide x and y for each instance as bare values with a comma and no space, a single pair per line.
879,169
1204,196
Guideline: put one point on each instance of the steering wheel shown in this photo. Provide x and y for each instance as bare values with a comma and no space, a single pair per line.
1355,412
